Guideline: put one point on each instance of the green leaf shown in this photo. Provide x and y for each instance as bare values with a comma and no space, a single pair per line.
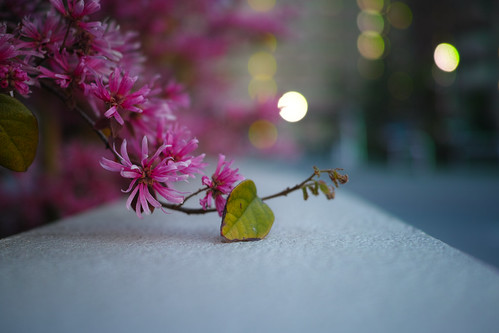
246,216
305,193
18,134
328,191
314,188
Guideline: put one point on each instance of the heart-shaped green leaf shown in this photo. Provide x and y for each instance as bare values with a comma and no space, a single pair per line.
246,217
18,134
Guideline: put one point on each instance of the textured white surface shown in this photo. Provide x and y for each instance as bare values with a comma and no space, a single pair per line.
326,266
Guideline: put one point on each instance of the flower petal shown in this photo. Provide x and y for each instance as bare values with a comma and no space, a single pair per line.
143,198
151,199
124,153
168,193
145,151
130,198
114,80
110,165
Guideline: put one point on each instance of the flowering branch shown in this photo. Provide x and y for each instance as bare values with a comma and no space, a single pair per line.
98,71
308,184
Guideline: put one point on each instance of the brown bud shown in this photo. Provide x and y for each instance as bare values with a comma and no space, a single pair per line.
330,195
317,172
333,177
343,179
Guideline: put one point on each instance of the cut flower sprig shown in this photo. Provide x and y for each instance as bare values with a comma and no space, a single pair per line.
311,184
99,72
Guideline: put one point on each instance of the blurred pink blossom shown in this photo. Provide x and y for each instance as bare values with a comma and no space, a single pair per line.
76,9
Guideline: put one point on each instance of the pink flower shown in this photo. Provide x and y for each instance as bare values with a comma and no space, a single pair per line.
13,77
8,49
221,183
76,9
42,33
104,39
176,95
121,46
65,69
118,97
154,174
180,147
154,114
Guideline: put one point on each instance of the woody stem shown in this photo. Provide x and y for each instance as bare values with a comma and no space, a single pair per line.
189,211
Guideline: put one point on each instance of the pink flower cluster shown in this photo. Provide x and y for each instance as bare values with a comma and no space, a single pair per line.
13,75
98,70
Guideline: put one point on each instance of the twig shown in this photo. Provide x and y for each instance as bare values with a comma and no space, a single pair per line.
289,189
194,194
285,192
65,36
188,211
68,100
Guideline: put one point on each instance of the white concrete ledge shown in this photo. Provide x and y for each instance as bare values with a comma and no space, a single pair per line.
327,266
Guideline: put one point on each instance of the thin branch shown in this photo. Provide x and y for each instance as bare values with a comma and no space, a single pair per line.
82,113
289,189
188,211
65,36
285,192
202,189
91,122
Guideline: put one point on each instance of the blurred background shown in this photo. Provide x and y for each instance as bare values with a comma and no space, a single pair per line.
404,96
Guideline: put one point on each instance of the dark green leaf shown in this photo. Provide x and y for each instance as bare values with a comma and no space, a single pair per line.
18,134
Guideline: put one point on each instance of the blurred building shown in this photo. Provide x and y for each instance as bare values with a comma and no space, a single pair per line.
375,91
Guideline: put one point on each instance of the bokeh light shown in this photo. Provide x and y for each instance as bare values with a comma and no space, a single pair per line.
262,134
262,65
399,15
293,106
371,45
370,21
262,5
446,57
376,5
